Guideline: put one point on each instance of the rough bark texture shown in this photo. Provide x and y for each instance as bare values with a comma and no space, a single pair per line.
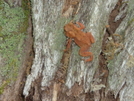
56,75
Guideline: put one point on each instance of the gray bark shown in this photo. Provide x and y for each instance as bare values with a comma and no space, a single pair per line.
63,76
48,33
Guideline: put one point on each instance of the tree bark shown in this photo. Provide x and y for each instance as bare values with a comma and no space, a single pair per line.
57,75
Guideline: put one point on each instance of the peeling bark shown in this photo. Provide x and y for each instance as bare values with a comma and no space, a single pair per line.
56,75
93,76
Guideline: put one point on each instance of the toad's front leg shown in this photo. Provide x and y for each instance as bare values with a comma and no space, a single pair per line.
83,52
69,41
81,26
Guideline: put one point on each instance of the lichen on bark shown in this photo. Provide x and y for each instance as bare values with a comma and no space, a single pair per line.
13,27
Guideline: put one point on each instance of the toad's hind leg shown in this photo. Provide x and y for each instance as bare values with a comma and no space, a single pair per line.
84,53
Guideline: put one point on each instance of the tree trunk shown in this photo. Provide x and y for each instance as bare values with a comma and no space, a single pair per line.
58,75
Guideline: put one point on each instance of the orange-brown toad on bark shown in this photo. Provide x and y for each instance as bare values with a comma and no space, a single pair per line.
82,39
